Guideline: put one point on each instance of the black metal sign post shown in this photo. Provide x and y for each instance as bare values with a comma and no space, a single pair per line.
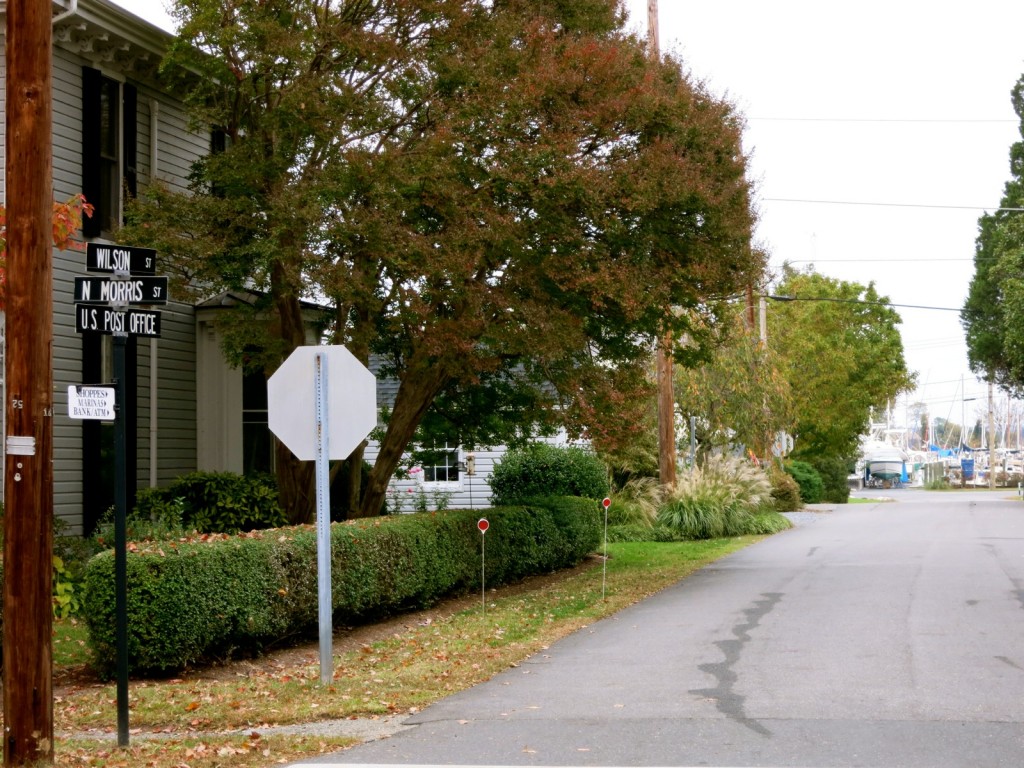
121,538
102,306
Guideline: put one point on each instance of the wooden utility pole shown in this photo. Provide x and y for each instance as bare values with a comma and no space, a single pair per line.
28,469
652,27
666,393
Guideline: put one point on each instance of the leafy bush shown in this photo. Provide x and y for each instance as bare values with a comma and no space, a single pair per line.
716,500
214,502
201,599
785,491
807,477
139,525
833,471
540,469
766,523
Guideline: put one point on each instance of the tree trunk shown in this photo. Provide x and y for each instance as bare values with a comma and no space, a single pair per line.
295,478
416,393
353,487
295,485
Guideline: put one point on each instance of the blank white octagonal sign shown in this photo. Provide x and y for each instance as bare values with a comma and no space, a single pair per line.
351,402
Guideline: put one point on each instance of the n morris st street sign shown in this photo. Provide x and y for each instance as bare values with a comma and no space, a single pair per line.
132,290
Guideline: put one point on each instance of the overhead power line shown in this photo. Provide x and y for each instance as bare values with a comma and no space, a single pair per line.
919,261
994,120
858,301
889,205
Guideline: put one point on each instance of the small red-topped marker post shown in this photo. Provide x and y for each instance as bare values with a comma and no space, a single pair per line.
482,525
606,502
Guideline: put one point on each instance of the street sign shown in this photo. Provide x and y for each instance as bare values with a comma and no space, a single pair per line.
483,525
117,322
91,402
351,402
126,259
134,290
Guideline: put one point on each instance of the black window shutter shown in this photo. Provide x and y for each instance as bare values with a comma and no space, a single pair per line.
131,139
218,140
91,79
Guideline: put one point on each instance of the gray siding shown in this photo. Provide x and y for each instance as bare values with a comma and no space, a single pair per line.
173,396
175,399
470,492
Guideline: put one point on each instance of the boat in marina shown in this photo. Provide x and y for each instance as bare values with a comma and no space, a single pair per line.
885,463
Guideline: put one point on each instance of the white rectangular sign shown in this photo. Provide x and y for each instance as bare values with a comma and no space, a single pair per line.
91,402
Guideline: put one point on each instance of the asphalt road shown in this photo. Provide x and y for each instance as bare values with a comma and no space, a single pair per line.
884,634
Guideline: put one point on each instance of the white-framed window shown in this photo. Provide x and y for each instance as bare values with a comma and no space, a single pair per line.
441,464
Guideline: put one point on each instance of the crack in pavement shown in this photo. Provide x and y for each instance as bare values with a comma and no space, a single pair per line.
727,701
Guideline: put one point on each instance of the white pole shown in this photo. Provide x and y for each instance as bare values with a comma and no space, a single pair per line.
323,523
991,440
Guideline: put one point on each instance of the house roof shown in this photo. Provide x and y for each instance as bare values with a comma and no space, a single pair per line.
107,35
229,299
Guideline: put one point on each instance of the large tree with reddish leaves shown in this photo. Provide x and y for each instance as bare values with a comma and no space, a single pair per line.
507,202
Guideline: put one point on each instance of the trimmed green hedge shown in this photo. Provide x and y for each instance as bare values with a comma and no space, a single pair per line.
201,600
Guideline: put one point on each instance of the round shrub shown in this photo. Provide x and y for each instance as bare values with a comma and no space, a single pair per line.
785,491
834,471
539,470
807,477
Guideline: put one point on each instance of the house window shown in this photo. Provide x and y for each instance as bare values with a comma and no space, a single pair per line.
441,464
108,204
109,138
257,444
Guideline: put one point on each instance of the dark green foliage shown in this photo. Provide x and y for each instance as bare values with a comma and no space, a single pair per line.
833,471
785,491
807,477
539,470
191,602
842,355
215,502
993,313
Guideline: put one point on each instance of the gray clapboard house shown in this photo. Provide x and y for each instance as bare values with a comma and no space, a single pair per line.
117,129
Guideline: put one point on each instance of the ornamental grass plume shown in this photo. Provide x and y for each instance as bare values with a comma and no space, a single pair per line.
636,503
718,499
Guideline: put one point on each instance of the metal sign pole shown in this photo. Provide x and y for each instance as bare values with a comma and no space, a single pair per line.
482,525
606,502
323,523
120,539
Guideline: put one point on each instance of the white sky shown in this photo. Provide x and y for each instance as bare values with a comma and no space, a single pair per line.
903,104
899,102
